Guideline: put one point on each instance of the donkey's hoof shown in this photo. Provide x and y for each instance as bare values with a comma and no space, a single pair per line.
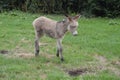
62,59
36,54
57,55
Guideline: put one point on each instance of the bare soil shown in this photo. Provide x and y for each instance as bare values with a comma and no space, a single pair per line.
77,72
4,52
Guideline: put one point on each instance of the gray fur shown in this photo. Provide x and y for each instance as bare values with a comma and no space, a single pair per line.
54,29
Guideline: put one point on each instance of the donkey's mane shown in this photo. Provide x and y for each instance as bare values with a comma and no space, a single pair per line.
61,21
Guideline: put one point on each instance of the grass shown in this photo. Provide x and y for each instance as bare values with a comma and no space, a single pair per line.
96,49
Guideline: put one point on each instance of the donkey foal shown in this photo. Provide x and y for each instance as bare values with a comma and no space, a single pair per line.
54,29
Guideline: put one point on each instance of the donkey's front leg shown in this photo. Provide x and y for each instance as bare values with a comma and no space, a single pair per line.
57,52
59,49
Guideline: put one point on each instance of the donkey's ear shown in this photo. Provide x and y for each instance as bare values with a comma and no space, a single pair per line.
66,15
69,18
77,17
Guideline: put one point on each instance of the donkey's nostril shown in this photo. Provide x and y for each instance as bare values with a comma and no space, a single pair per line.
75,33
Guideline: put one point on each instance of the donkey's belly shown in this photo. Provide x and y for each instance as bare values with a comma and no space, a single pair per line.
50,33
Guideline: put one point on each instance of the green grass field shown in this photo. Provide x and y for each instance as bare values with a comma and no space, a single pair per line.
94,53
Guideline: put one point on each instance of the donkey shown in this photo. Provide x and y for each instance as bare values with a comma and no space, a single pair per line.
54,29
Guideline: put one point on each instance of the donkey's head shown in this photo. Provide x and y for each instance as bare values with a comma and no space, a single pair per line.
73,24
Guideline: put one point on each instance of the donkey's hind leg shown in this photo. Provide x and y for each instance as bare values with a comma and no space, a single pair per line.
38,34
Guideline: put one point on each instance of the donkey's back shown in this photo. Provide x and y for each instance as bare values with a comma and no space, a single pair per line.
44,22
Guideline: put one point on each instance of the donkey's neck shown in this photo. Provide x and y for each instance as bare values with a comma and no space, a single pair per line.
61,28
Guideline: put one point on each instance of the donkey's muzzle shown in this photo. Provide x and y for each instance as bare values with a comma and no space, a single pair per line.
75,33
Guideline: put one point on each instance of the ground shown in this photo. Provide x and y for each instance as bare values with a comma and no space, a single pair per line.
92,55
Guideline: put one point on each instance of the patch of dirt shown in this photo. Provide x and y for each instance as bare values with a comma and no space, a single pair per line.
25,55
106,65
116,62
21,53
43,44
31,55
114,70
77,72
101,59
101,65
4,51
47,55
